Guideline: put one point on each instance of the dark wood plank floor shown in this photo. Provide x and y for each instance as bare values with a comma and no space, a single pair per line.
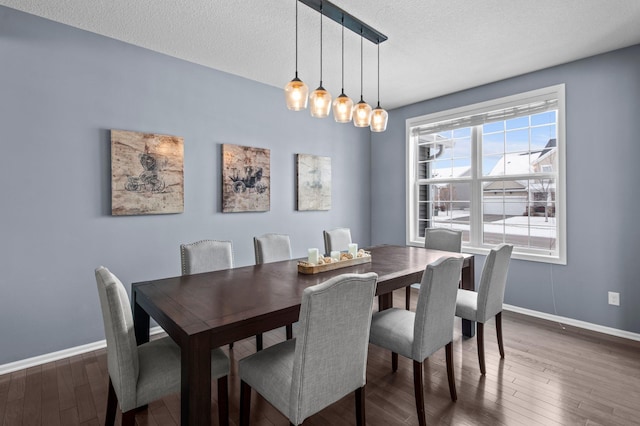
551,376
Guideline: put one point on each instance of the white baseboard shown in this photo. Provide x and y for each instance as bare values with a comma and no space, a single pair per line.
55,356
573,322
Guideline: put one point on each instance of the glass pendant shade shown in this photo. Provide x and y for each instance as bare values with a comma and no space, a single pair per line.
320,103
320,98
296,94
379,118
362,114
343,105
362,110
343,109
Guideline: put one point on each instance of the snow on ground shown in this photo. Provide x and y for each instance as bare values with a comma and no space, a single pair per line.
536,226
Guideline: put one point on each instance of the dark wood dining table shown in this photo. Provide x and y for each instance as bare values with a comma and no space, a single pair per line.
204,311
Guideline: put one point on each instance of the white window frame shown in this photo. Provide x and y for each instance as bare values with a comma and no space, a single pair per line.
475,245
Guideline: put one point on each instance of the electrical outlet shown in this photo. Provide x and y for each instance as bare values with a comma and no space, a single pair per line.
614,298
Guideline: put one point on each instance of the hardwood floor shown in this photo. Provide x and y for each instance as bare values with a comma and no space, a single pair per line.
550,376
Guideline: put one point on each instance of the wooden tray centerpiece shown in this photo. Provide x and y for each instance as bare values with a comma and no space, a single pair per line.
328,264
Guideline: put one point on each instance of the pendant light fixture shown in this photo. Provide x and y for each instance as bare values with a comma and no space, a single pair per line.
296,91
362,110
379,116
320,98
343,105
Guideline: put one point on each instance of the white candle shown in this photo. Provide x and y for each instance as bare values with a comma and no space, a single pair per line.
353,250
313,255
335,255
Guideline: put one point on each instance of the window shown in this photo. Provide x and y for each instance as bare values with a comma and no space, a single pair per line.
494,170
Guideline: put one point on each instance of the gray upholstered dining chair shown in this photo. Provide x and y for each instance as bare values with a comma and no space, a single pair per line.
336,240
272,248
326,361
206,256
417,335
437,239
141,374
485,304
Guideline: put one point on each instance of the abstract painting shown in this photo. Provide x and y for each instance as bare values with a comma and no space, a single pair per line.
246,177
314,182
147,174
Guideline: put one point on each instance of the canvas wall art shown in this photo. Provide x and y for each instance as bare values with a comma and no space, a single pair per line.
147,175
246,175
314,182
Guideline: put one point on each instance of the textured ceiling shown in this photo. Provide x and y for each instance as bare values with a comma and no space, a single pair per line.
435,47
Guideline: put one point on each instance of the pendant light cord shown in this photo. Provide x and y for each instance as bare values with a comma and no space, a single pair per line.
321,43
378,73
361,72
296,38
343,54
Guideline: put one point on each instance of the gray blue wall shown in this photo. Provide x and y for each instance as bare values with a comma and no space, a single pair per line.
61,90
603,195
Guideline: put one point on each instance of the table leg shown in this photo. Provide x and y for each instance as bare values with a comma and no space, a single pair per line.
385,301
468,283
468,328
196,381
140,321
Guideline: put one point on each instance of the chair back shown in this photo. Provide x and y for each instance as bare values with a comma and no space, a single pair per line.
493,282
436,309
206,256
272,248
122,349
331,346
337,240
443,239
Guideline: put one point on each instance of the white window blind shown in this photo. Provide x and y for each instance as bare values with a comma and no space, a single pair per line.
488,117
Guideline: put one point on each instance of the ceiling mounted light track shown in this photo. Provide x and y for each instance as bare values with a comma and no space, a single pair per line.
352,23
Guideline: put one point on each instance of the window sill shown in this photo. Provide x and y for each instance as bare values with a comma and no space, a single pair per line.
531,257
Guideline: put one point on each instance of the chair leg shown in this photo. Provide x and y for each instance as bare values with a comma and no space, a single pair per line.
499,333
419,392
223,401
258,342
112,403
245,403
450,373
289,329
129,418
394,362
360,413
408,298
480,333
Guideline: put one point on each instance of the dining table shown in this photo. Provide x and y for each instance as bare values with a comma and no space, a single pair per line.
209,310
